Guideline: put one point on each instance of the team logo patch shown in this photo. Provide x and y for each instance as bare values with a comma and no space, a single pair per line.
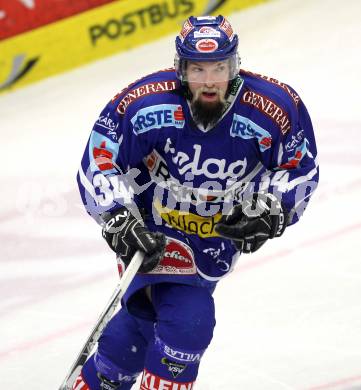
103,157
103,152
245,128
178,259
158,116
174,368
207,45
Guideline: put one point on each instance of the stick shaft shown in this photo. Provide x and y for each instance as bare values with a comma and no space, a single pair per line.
103,320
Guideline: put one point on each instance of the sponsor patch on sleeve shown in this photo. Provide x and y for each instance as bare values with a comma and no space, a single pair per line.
245,128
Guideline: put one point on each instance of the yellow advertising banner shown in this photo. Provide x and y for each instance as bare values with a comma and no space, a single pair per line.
97,33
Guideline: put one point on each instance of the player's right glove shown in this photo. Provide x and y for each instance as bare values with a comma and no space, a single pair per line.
125,235
251,223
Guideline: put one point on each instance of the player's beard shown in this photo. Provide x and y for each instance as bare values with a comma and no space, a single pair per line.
207,113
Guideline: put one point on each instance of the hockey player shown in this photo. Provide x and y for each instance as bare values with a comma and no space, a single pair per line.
192,166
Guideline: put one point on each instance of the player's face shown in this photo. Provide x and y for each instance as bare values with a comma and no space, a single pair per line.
208,81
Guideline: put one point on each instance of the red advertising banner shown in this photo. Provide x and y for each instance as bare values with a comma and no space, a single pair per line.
18,16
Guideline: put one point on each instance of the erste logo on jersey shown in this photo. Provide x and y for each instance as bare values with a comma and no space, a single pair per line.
245,128
158,116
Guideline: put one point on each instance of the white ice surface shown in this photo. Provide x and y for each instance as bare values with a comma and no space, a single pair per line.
289,317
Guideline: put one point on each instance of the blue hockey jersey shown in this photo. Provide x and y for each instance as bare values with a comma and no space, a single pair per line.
145,151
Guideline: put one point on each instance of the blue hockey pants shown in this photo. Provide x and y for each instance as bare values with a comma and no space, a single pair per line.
167,351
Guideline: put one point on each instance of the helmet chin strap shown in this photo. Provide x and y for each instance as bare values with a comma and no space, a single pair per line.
186,92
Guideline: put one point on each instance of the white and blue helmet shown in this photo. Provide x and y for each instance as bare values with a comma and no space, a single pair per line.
206,38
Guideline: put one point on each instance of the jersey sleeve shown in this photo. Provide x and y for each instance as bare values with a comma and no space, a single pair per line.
107,177
292,169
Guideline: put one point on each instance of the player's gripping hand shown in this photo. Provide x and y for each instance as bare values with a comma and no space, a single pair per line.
125,235
251,223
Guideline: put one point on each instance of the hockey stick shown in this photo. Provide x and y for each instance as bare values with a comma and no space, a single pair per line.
104,318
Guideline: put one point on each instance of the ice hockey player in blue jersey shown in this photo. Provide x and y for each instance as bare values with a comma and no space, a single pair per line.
194,166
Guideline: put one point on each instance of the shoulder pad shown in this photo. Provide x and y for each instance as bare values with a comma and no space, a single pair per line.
272,98
272,81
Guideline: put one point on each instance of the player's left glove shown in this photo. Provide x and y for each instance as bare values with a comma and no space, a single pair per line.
251,223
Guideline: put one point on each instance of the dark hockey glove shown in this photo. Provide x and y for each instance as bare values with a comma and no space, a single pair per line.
251,223
125,235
